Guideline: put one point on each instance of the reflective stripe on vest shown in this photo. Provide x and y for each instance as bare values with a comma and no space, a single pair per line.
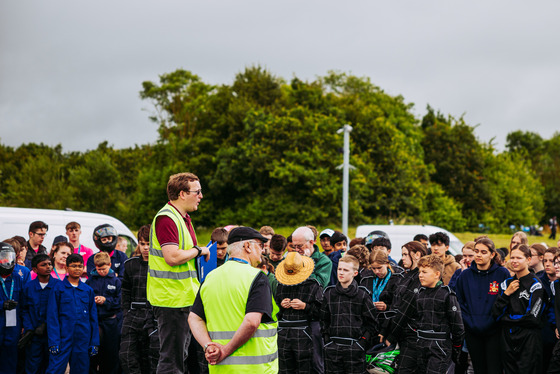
225,293
219,335
171,286
172,275
249,360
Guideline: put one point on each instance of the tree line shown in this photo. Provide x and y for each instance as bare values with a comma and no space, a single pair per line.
267,150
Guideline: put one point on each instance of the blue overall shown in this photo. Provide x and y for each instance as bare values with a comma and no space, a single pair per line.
11,288
34,314
118,259
72,326
22,272
109,316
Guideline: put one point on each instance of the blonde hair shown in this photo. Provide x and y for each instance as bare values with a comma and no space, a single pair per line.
381,257
350,260
101,258
522,236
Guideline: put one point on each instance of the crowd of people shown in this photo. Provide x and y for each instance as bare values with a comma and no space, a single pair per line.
307,303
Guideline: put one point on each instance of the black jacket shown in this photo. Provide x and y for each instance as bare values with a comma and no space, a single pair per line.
348,313
309,291
404,305
522,308
134,282
439,311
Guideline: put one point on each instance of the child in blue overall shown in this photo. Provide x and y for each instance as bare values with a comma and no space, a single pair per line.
107,289
34,312
72,330
10,319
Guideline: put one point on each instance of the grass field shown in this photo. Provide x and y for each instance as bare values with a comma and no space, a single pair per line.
501,240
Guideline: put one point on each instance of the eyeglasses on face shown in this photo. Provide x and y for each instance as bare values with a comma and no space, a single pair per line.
196,192
260,244
42,234
299,246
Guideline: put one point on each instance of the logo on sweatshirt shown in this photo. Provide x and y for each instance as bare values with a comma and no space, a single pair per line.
494,288
525,295
111,287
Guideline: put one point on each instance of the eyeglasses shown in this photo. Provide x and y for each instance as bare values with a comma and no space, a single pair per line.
299,246
196,192
260,244
556,263
40,233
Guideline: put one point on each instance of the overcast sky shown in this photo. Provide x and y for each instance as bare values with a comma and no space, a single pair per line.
71,71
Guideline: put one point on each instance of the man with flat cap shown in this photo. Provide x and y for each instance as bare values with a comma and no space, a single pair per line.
234,316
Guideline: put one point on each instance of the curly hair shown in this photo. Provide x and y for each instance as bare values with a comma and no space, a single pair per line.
432,261
361,253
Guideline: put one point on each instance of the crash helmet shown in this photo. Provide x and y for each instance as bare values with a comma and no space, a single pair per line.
105,231
7,259
374,235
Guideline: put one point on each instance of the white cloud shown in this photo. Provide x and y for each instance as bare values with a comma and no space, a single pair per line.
70,72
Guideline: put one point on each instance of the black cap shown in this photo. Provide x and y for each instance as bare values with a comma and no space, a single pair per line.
60,239
239,234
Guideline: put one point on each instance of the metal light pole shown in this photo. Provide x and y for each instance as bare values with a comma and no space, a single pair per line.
345,176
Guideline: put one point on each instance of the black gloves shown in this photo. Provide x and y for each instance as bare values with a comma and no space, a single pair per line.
25,339
41,329
9,304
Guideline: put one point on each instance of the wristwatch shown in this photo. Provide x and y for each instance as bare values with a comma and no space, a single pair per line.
198,249
206,346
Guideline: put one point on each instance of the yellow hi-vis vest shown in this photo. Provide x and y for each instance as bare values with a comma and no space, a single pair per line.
224,295
171,286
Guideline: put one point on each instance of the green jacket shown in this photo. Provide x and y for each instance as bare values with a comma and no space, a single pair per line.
323,267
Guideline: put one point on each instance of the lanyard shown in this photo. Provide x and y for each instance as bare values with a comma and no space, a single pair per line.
4,287
379,286
239,260
56,272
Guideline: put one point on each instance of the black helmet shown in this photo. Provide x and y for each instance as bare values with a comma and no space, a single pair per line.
374,235
105,231
7,259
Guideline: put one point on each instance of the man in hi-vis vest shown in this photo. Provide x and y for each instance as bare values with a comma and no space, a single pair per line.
172,279
234,314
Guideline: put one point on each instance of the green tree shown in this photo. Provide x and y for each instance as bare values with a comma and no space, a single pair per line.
516,192
457,160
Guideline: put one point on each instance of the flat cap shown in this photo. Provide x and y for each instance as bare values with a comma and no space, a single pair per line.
241,233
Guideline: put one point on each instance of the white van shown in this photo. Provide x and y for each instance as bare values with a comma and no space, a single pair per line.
402,234
16,221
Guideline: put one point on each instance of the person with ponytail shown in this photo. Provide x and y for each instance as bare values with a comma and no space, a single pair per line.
402,327
381,281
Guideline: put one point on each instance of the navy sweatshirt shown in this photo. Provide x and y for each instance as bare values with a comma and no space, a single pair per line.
109,287
477,290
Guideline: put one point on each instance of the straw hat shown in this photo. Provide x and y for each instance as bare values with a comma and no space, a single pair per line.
294,269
